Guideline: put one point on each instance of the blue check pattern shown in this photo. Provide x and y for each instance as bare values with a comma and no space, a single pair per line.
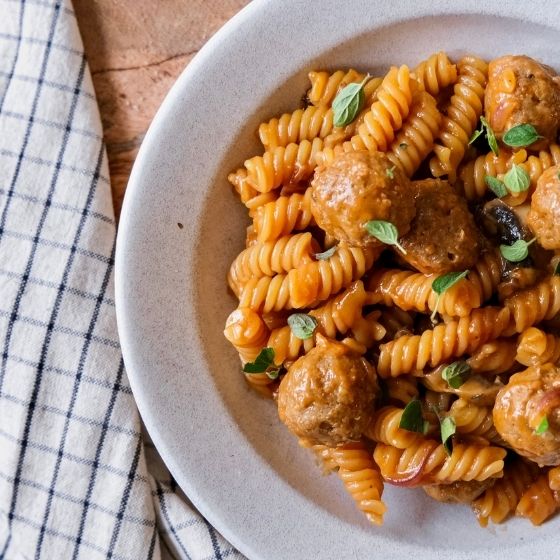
78,477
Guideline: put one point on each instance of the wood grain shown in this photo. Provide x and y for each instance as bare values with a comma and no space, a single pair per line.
136,49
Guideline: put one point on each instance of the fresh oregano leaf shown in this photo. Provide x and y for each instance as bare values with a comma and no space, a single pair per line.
557,269
490,136
521,135
542,427
448,429
264,363
326,254
516,252
443,283
412,419
302,325
348,103
496,186
391,172
475,135
455,373
386,232
517,180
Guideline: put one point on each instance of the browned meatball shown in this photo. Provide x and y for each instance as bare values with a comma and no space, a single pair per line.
544,216
460,492
327,396
520,90
356,188
443,236
521,405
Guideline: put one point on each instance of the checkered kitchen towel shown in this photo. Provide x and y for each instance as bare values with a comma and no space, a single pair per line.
76,478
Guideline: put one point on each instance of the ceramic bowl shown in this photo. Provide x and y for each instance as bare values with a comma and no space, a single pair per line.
180,228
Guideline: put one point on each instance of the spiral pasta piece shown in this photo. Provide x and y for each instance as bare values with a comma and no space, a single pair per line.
487,274
533,305
323,456
436,73
337,316
384,428
537,347
408,354
413,290
250,197
500,501
495,357
318,280
325,86
426,462
270,258
462,114
303,124
415,140
282,216
282,165
472,175
539,501
402,389
309,284
387,114
361,479
474,420
247,332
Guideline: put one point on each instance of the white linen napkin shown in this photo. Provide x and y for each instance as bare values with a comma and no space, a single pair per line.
76,478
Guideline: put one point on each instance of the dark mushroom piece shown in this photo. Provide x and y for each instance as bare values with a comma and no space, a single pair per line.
506,225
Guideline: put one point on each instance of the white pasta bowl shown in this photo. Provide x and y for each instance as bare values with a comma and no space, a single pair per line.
180,228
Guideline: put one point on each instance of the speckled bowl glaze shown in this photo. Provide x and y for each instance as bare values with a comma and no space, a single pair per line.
225,445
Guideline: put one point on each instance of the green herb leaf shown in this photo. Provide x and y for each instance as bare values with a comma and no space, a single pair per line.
517,180
490,136
516,252
444,282
348,103
386,232
412,419
448,429
521,135
391,172
542,427
475,135
302,325
403,145
455,373
557,269
496,186
262,362
326,254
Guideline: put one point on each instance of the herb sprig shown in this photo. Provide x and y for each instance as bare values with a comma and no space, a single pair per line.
521,135
386,232
518,251
442,283
264,363
348,103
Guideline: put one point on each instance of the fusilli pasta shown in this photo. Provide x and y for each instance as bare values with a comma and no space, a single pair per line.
426,462
462,114
409,354
500,501
436,73
537,347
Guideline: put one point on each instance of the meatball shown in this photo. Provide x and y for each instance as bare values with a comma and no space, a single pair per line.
356,188
520,90
544,216
443,236
460,492
528,398
327,396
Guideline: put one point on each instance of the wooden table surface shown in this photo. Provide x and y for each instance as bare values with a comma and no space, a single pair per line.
136,50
